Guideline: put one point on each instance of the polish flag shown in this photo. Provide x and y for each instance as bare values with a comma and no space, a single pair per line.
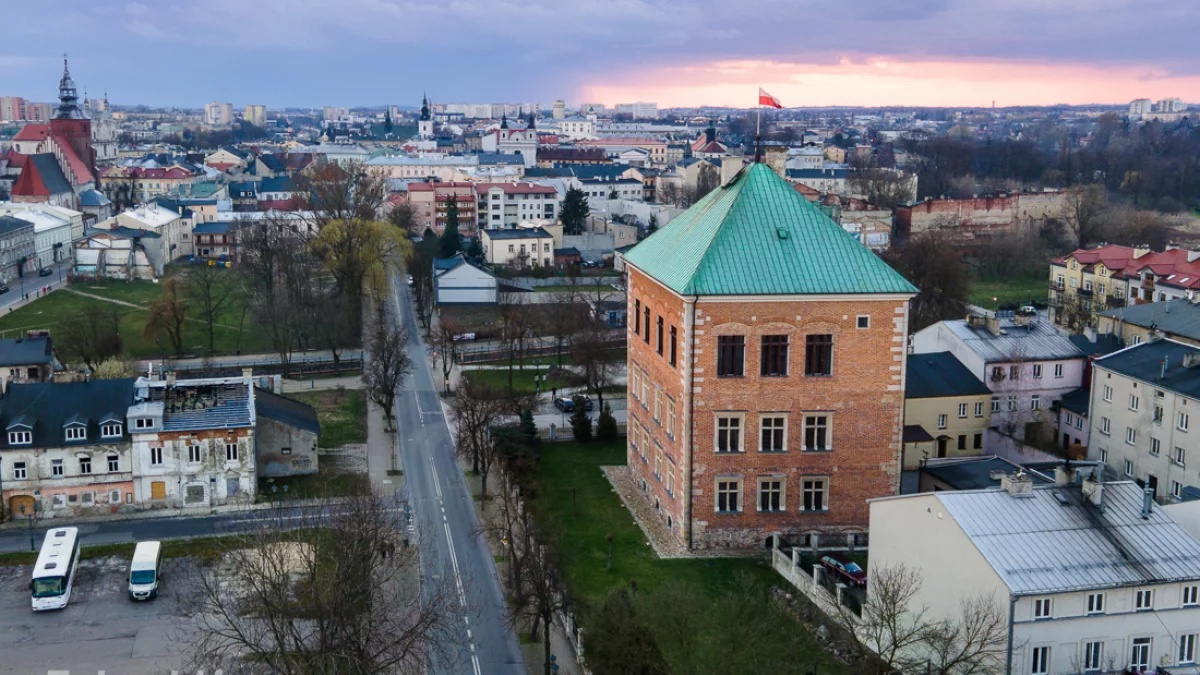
768,100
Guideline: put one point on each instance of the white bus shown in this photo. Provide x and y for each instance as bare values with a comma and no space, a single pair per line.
54,574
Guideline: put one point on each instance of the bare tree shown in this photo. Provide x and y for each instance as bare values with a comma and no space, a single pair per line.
209,289
1086,213
516,330
566,318
476,409
442,344
386,368
541,595
590,350
668,193
167,316
93,334
881,186
336,593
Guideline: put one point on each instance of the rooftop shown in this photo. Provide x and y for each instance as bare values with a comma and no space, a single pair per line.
1174,317
1158,362
286,411
758,236
48,406
1037,341
519,233
26,351
977,473
938,375
208,403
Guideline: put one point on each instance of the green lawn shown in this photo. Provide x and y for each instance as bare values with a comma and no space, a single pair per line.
325,483
523,380
1008,292
342,412
567,467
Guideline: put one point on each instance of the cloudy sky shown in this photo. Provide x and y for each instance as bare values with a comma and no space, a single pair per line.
675,52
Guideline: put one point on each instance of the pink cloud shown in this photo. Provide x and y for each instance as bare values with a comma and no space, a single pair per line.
883,81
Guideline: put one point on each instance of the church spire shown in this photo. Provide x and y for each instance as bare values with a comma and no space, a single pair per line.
68,99
503,120
425,107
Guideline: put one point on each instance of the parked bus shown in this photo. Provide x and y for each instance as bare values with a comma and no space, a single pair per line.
54,574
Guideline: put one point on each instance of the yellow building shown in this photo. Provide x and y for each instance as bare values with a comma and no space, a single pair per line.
1090,280
946,409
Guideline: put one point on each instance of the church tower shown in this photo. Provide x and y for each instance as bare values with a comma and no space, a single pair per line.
70,124
425,124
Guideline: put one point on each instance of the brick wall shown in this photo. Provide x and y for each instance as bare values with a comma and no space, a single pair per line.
864,395
981,216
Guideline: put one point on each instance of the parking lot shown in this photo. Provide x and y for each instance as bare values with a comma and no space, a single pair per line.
100,630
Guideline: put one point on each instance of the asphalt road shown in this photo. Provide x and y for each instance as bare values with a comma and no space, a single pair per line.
452,545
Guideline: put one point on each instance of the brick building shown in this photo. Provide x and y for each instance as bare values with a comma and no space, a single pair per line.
979,219
766,370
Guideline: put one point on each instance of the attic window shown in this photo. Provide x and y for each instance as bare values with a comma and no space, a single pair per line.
20,437
110,430
76,433
781,232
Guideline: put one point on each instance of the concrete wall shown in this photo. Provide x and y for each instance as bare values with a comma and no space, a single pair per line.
284,450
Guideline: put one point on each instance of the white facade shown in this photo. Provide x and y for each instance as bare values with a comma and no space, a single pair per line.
507,204
576,128
522,142
638,110
175,231
218,113
465,284
443,168
519,247
256,115
54,228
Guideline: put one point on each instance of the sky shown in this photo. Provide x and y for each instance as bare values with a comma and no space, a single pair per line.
675,52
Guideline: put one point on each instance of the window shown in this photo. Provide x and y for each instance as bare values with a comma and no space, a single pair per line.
19,471
1042,607
637,317
193,454
660,337
816,433
1104,426
1158,414
1095,603
1037,371
772,433
143,423
770,494
731,355
645,391
156,456
1128,468
670,479
1181,422
1176,489
672,348
774,355
1035,402
658,396
1191,596
729,495
979,409
1108,393
114,464
646,316
941,421
997,373
962,411
76,433
978,445
1178,456
110,430
862,321
816,497
1093,655
1104,455
1014,372
658,463
1139,655
1012,403
962,441
1058,370
1134,402
1143,600
85,465
995,404
56,468
729,433
1041,661
670,418
20,437
1130,436
1155,446
231,452
1187,648
818,355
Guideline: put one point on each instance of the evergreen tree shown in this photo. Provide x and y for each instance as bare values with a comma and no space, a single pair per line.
653,226
574,211
475,249
581,424
529,428
606,425
387,121
450,244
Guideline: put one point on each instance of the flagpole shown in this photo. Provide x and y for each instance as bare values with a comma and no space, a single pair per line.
758,133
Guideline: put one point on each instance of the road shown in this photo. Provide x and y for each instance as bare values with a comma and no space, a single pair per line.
452,544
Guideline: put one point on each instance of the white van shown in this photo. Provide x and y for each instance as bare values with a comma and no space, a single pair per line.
144,571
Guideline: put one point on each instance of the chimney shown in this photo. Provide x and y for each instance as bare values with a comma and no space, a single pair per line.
1064,474
1093,489
776,158
1147,503
247,373
171,379
1191,359
993,325
1018,484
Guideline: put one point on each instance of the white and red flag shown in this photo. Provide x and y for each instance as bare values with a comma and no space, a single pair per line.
768,100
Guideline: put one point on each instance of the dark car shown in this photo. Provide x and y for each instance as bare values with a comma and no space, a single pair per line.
3,290
568,404
844,569
45,272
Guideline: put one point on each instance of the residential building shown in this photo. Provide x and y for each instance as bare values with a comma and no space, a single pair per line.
1026,363
129,185
54,229
613,146
215,241
256,115
562,156
174,229
431,202
639,111
12,109
119,253
766,396
1142,401
1139,107
285,436
979,219
946,409
18,252
1089,281
559,110
227,159
218,114
502,205
438,168
518,247
280,193
1178,320
1084,577
27,359
576,128
457,281
1071,423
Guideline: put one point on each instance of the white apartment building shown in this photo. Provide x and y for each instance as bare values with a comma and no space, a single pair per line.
1026,363
576,128
1089,577
504,205
1143,399
1140,106
256,115
54,228
639,110
175,230
218,113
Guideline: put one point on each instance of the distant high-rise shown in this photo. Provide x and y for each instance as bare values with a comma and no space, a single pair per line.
560,109
1170,105
1139,107
218,113
639,110
12,108
591,108
256,115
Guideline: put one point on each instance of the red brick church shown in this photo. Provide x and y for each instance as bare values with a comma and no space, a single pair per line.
57,160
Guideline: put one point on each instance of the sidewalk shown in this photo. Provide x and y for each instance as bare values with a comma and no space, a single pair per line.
381,454
322,383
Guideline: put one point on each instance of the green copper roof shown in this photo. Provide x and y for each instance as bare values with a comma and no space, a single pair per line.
758,236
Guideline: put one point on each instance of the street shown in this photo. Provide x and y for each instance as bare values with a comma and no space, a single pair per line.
452,543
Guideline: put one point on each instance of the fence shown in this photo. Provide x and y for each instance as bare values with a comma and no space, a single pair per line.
816,583
487,353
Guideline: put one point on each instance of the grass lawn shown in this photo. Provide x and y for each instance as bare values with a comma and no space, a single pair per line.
613,355
325,483
1008,291
342,412
178,548
523,381
569,466
581,288
52,310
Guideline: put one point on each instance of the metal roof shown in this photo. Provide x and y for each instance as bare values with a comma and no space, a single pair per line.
1039,544
1039,341
1174,317
1159,362
938,375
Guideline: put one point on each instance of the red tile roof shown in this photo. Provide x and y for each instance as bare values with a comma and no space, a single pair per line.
80,170
33,132
15,159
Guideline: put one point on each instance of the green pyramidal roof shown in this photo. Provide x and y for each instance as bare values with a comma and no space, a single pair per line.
757,235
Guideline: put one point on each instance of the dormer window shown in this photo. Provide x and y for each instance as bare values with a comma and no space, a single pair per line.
20,437
143,423
110,430
76,433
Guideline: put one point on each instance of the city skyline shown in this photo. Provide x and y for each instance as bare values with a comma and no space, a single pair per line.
934,53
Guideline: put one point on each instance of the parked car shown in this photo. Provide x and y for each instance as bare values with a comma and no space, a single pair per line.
3,290
566,404
845,569
45,272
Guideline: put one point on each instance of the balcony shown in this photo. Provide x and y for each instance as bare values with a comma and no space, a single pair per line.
1085,292
1113,301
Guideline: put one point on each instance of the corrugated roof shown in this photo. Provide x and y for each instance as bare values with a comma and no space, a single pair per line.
758,236
1039,545
1176,317
938,375
1159,362
1038,341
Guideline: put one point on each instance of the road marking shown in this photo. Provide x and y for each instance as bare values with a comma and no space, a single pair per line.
475,661
462,596
437,484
